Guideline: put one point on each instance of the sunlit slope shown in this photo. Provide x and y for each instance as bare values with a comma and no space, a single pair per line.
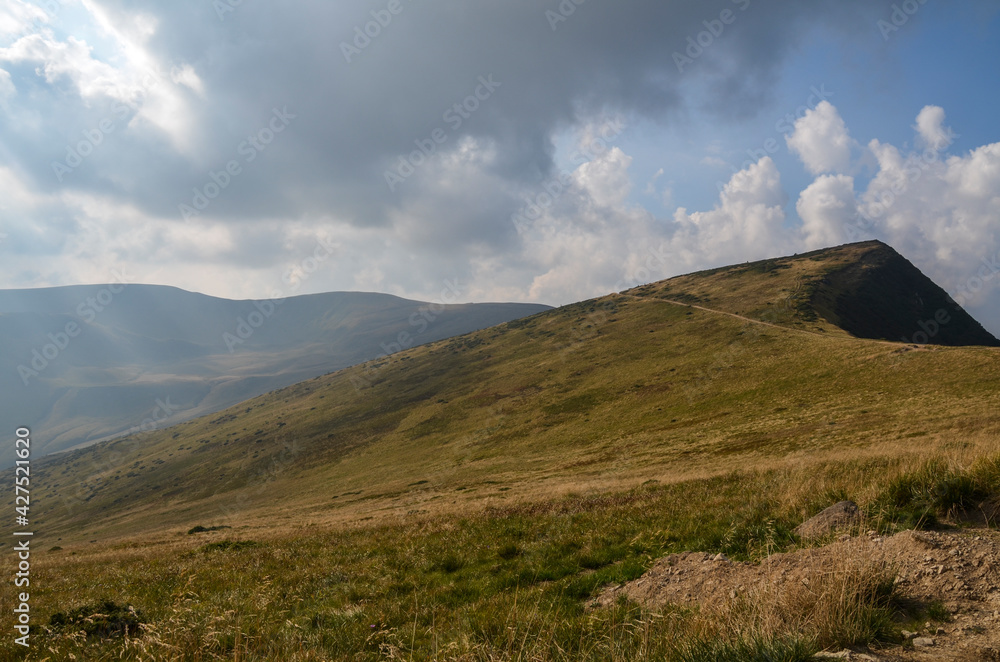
606,392
140,355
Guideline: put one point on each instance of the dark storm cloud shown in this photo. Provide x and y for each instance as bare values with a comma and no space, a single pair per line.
354,120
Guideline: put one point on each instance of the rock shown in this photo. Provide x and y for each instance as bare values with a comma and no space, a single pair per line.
835,517
908,635
720,557
923,641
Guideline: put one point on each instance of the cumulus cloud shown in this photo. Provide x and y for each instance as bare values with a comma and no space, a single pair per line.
931,129
936,208
18,17
821,141
745,224
827,208
940,211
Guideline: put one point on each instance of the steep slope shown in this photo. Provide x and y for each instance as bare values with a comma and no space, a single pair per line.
86,362
867,290
612,391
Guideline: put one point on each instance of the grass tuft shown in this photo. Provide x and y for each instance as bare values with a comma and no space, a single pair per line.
102,619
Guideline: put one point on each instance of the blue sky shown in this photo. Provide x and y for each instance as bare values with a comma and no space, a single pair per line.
950,57
321,128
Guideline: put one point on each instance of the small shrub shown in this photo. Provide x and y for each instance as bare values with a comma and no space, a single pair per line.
103,619
203,529
917,499
594,559
449,563
756,536
509,551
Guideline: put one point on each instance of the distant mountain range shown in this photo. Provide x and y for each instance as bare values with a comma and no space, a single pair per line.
83,363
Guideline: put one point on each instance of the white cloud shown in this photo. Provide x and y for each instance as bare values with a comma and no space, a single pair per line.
941,213
930,127
583,243
131,75
821,140
826,207
745,224
187,76
938,210
18,18
606,179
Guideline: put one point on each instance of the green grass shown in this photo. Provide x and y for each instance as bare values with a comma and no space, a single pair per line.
505,583
922,497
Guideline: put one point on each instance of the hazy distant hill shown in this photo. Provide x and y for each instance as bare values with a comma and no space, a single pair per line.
84,362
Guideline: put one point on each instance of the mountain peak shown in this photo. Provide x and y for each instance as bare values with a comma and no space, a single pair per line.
864,289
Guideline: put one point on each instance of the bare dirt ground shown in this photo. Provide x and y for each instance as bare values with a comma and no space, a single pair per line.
959,569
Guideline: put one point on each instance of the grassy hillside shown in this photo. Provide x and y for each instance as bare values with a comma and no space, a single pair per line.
144,356
467,498
607,392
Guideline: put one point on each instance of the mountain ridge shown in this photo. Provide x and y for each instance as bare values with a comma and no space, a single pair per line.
864,289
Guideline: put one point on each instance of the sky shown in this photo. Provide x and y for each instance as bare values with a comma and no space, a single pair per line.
520,150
